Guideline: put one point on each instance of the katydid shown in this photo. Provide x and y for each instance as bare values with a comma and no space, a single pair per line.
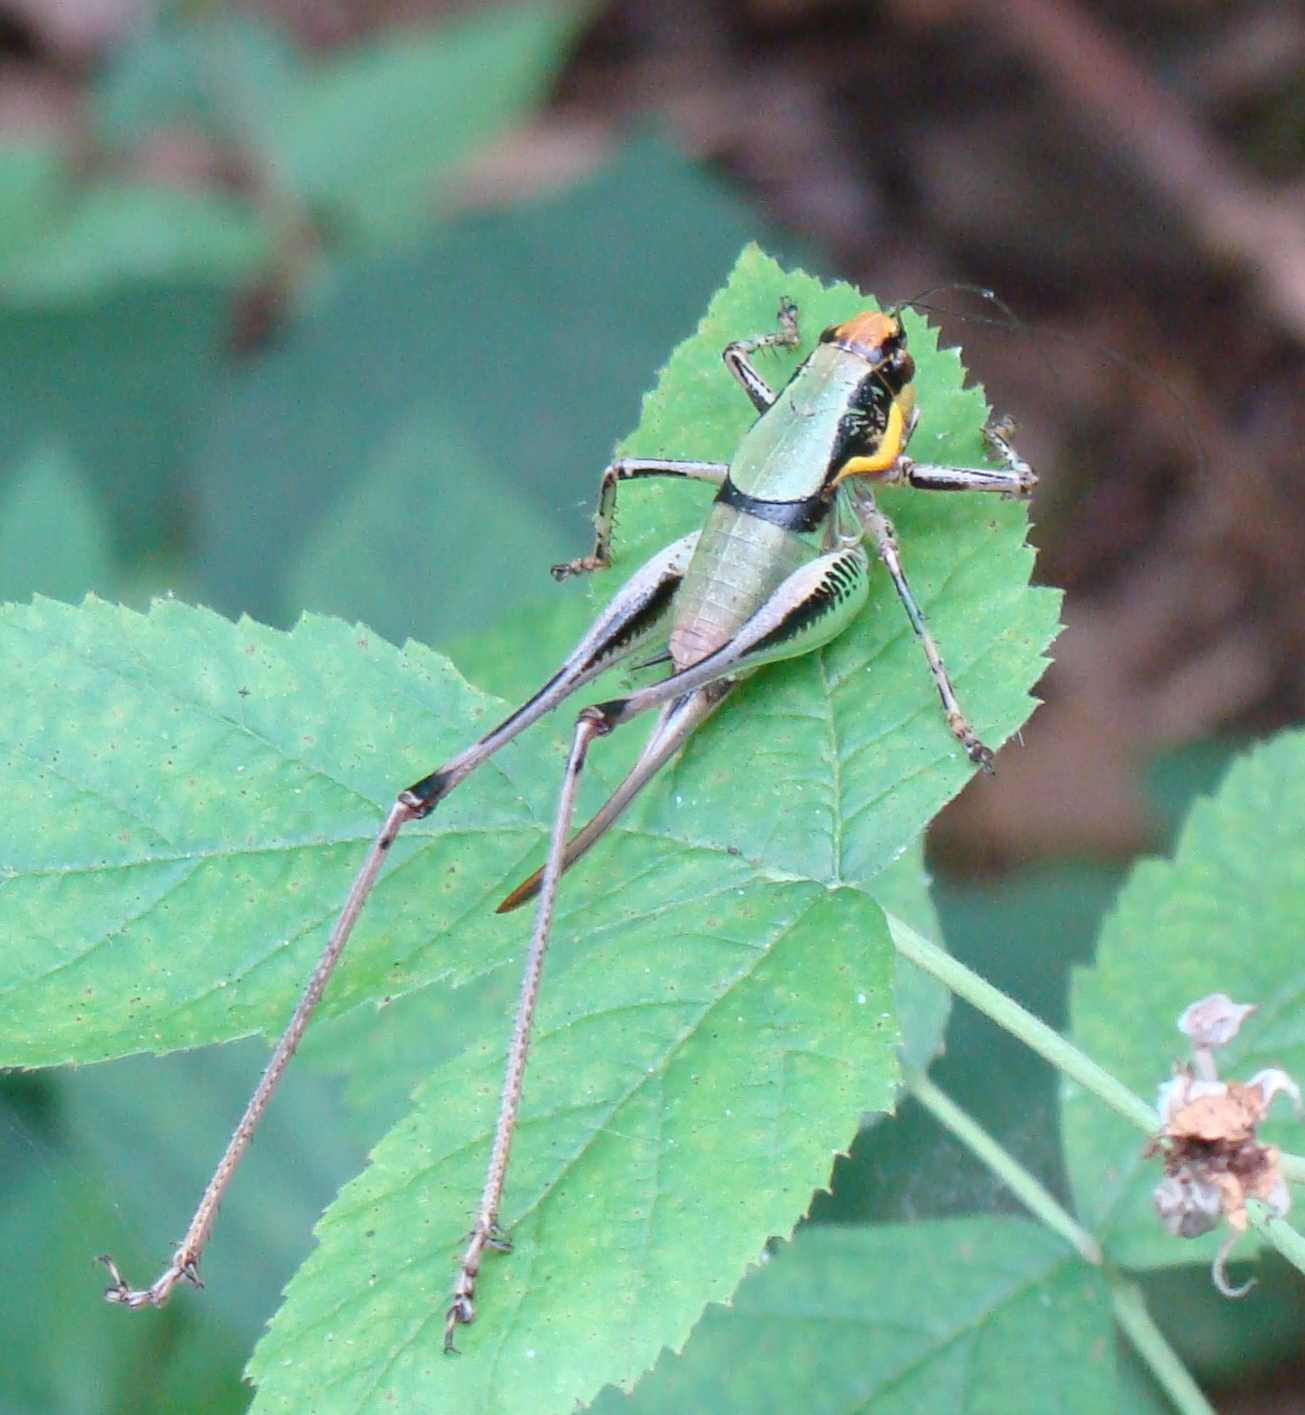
780,568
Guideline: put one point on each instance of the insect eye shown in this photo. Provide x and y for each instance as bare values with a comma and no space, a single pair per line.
828,332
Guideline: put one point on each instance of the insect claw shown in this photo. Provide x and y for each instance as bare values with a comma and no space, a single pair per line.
583,565
982,757
117,1291
461,1312
498,1239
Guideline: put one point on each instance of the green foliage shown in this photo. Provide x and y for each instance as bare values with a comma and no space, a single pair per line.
367,139
119,384
967,1314
329,422
858,707
53,537
719,998
1224,915
119,233
360,146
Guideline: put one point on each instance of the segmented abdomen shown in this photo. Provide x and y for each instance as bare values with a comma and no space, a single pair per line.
740,561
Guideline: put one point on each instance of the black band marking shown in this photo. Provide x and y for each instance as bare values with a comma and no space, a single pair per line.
643,618
840,580
805,515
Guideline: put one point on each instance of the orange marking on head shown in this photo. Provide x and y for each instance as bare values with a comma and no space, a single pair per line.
866,332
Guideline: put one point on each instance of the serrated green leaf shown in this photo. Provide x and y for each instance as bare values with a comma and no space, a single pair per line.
381,1052
962,1314
201,815
863,709
718,1009
655,1073
1224,915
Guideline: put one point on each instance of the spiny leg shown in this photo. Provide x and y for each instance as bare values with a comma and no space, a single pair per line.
629,469
738,363
809,608
633,617
1015,479
485,1232
880,530
185,1260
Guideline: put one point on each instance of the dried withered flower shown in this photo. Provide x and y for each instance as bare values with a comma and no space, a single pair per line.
1213,1159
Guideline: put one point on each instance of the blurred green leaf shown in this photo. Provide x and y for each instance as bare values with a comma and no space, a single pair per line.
178,1111
522,355
401,513
1224,915
1022,934
368,136
53,536
62,1347
220,70
124,233
33,189
965,1314
120,382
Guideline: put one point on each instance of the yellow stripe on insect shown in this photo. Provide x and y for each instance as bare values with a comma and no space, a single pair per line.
890,446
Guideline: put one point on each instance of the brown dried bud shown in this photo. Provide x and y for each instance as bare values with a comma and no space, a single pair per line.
1213,1159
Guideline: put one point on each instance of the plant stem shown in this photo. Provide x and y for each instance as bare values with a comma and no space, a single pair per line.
1276,1230
1029,1191
1157,1355
1129,1305
1293,1168
1009,1015
1037,1036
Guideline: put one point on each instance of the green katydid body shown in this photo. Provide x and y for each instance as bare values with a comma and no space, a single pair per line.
782,504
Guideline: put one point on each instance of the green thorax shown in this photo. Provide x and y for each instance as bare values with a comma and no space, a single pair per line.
785,455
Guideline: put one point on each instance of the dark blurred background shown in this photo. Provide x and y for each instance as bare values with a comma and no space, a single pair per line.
340,306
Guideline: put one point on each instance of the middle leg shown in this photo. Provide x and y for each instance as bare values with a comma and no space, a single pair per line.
880,530
1015,478
628,469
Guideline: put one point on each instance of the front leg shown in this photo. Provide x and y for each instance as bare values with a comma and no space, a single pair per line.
738,363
